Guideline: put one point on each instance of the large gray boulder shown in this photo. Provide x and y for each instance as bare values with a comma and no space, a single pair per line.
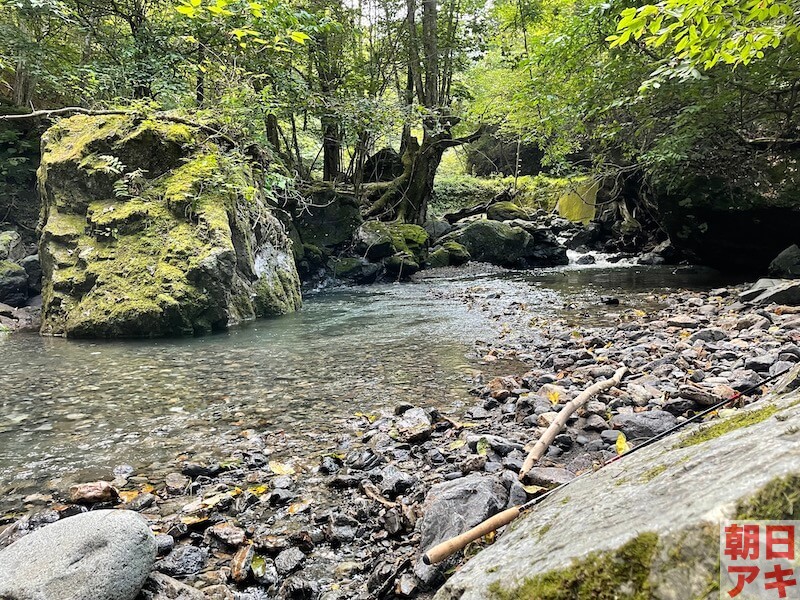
773,291
502,244
451,508
786,264
648,526
98,555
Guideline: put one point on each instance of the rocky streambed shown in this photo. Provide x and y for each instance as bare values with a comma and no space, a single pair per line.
341,511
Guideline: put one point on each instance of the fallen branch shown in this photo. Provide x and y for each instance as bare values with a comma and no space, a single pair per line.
47,113
372,492
558,423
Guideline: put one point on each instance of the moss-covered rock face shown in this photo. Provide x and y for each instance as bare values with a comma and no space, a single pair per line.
448,254
149,229
648,526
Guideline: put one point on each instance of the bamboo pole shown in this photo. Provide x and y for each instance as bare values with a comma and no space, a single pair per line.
558,423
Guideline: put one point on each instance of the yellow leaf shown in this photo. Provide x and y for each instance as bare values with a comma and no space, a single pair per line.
622,444
553,396
298,37
193,520
534,489
281,468
128,496
457,444
258,490
639,313
147,488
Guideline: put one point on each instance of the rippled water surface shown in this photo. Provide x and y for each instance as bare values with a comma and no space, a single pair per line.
71,410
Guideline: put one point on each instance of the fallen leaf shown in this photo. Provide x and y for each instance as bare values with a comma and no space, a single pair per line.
482,447
553,396
457,444
128,496
281,468
622,444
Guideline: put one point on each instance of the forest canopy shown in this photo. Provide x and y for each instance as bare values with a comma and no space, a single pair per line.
623,91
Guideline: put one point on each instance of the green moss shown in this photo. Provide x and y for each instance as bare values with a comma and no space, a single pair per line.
652,473
346,266
64,227
77,137
738,421
9,269
778,500
178,258
617,575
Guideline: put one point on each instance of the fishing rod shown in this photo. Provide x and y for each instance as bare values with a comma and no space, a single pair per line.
449,547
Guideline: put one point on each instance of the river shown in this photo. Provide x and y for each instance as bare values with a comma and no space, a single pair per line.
72,410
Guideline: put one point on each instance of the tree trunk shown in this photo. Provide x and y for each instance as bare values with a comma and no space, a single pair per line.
331,150
23,84
407,197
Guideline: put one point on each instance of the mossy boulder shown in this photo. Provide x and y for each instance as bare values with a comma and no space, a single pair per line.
358,270
11,246
13,284
402,247
149,228
507,245
648,526
448,254
329,217
506,211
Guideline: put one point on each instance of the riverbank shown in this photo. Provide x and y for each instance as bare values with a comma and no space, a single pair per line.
275,520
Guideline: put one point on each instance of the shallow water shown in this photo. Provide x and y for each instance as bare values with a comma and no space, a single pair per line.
72,410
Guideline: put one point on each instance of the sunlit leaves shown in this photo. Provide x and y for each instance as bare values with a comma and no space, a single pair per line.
249,23
704,33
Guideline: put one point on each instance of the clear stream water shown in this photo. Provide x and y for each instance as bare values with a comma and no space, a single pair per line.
72,410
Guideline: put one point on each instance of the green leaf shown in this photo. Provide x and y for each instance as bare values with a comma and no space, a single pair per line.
299,37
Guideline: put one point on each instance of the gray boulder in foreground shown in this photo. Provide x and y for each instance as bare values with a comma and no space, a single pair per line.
451,508
98,555
648,526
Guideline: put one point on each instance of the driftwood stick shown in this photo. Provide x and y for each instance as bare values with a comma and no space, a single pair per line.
558,423
47,113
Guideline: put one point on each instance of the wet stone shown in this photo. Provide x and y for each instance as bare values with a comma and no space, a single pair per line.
164,543
141,502
228,534
289,560
176,483
182,561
